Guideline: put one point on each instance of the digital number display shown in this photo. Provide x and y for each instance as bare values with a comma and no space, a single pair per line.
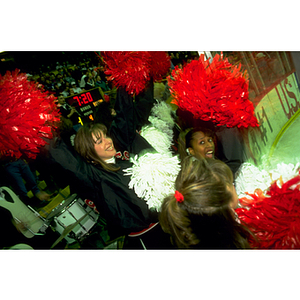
85,98
85,103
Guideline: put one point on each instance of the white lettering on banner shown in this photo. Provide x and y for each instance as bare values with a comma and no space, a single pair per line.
272,113
292,108
263,130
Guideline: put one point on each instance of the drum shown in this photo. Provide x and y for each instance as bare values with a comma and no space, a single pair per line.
71,211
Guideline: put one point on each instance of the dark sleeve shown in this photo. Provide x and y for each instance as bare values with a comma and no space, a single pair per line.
130,116
122,128
143,105
122,208
70,168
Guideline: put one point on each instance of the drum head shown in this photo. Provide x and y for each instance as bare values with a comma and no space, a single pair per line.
59,208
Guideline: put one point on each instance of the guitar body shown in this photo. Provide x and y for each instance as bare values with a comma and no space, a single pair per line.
25,219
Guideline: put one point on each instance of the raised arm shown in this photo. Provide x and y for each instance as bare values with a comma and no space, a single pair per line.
130,115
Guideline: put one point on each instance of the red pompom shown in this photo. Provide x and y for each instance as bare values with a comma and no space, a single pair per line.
160,63
27,114
275,220
133,69
215,91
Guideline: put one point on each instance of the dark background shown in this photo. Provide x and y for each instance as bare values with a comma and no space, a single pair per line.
37,62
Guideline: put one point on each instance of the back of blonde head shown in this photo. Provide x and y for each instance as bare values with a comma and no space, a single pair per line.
205,218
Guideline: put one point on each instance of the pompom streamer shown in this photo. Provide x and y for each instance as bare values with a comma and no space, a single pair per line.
27,115
216,92
133,69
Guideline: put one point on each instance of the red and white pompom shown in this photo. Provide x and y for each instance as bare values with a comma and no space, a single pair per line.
133,69
274,218
216,91
27,115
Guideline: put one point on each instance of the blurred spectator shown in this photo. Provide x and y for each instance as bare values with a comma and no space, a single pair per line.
101,83
76,89
48,85
89,82
57,89
42,80
83,81
65,91
67,84
76,74
17,171
93,71
58,66
67,77
101,73
59,80
52,78
66,110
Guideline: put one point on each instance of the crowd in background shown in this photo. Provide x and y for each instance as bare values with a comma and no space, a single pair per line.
68,73
67,79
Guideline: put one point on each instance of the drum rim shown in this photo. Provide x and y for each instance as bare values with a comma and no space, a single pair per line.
61,207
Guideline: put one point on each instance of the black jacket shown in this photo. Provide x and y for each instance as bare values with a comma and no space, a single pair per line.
118,204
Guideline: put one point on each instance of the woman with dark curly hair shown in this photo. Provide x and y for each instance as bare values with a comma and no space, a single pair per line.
204,139
200,215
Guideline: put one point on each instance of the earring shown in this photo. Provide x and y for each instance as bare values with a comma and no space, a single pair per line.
187,151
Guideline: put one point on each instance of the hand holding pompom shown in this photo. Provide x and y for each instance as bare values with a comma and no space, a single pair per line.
133,69
215,91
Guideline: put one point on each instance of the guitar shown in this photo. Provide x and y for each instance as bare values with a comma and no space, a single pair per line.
26,220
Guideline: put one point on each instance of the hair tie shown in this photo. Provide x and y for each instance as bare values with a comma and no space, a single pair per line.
179,197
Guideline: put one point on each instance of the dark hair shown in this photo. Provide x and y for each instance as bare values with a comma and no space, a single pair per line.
205,219
186,137
84,144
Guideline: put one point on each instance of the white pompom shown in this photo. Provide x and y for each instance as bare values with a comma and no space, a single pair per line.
160,125
153,176
159,134
251,177
163,111
159,140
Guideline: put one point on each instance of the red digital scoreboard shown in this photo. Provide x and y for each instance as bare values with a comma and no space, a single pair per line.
85,103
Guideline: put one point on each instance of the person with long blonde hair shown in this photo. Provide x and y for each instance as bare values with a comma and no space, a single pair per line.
200,215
